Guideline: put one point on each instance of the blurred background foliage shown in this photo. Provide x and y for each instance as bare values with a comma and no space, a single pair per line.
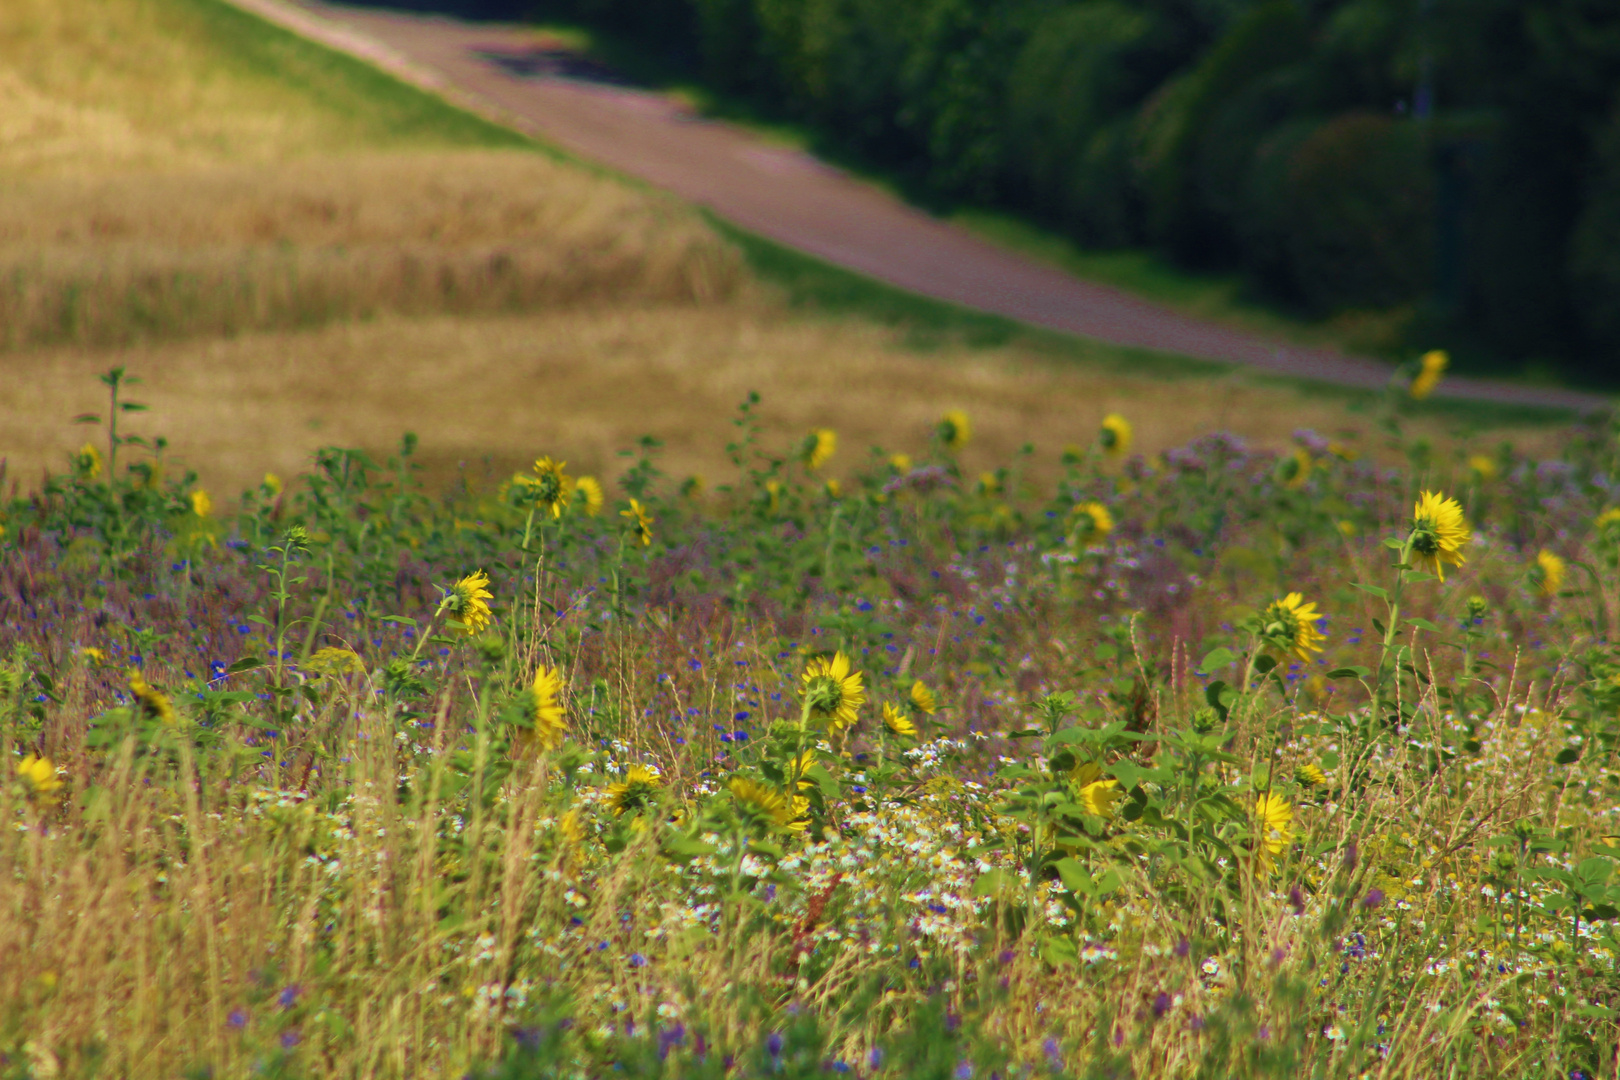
1454,164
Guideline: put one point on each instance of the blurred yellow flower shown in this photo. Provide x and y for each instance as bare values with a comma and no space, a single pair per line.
150,704
94,655
920,699
1609,517
1092,521
1548,572
759,801
900,462
1290,624
550,487
1346,527
834,691
1483,468
954,430
588,492
87,462
335,660
989,484
545,711
1310,774
638,522
835,490
1295,469
818,446
272,484
1276,819
1099,797
1115,435
898,722
1434,365
1439,532
201,504
638,790
39,779
467,601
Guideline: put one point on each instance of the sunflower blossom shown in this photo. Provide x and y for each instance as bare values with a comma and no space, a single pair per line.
38,776
920,699
833,691
818,446
1115,435
1290,624
1099,797
1310,774
545,712
550,487
87,462
954,430
1483,468
467,601
149,703
638,790
1439,532
1092,521
201,504
638,522
1434,365
898,722
588,494
1276,818
768,804
1548,572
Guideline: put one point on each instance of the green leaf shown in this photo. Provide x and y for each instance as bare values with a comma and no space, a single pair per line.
990,883
1059,952
1214,660
1568,755
1353,671
87,418
1382,594
688,848
247,663
1424,624
401,619
1075,877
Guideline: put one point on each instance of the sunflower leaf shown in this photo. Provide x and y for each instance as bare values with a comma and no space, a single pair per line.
1382,594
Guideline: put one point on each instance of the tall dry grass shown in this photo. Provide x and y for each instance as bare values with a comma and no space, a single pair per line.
109,261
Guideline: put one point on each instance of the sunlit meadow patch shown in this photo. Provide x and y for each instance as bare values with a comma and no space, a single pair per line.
1191,766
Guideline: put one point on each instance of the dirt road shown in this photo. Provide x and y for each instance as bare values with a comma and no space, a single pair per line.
794,199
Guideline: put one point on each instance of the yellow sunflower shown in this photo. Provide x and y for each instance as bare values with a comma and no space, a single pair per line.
1310,774
1092,521
768,805
550,487
817,447
149,703
545,711
638,522
1483,468
467,601
588,495
1099,797
900,463
1439,532
1115,435
1434,365
201,504
954,430
898,722
39,780
1290,625
833,691
1548,573
920,699
87,463
1295,469
638,790
272,485
1276,820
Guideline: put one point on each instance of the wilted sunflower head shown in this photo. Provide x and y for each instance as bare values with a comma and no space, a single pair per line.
1091,521
1115,435
817,447
467,601
638,522
833,691
1548,572
150,704
1439,532
898,722
38,778
1275,818
588,495
1290,625
638,790
953,430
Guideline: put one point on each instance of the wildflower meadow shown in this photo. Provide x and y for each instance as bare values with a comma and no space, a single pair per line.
1220,762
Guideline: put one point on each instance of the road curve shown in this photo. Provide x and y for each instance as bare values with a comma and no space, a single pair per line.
797,200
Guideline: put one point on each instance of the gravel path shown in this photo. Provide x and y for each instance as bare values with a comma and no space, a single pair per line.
793,198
